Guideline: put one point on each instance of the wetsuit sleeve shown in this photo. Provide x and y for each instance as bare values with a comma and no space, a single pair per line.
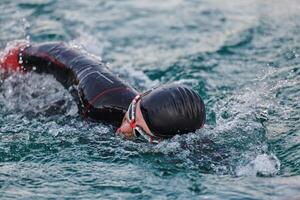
99,93
52,58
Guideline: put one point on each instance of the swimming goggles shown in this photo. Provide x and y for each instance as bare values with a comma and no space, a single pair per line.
137,130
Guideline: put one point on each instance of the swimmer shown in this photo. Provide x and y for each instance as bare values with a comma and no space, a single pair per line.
154,115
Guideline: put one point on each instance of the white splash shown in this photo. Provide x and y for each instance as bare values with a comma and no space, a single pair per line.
263,165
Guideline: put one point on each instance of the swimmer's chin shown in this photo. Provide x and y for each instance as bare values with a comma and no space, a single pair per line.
127,136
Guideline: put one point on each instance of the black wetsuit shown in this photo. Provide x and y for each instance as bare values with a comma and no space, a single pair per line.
100,95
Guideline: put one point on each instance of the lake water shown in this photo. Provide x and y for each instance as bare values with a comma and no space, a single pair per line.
241,56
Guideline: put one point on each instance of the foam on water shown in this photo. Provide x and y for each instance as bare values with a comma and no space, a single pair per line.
265,165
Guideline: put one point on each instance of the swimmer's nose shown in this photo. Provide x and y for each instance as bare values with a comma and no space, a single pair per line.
118,131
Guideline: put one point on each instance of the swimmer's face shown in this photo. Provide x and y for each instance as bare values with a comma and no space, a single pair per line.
125,128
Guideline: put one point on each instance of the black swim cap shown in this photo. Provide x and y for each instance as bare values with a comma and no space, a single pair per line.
172,109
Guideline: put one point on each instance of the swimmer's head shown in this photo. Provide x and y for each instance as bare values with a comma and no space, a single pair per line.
172,109
162,113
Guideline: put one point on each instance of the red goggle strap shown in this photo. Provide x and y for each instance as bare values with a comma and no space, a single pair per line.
132,124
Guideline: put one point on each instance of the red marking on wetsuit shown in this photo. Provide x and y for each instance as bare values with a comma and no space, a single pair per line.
51,59
100,95
11,61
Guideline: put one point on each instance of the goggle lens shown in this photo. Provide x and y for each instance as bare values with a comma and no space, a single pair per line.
137,130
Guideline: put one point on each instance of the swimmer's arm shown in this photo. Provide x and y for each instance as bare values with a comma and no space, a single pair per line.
57,59
65,63
50,58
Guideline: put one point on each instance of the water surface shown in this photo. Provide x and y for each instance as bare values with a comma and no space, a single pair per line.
241,56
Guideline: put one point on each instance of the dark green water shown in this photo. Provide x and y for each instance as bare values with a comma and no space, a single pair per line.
241,56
